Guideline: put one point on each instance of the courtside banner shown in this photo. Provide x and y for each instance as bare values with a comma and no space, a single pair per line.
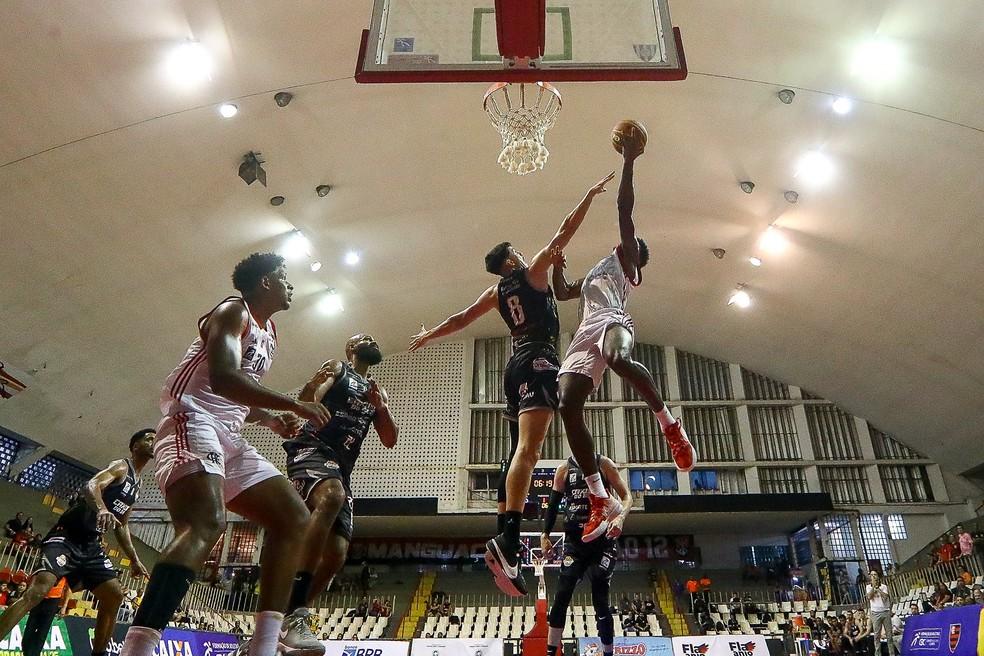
174,642
365,647
627,646
56,643
722,645
456,647
948,632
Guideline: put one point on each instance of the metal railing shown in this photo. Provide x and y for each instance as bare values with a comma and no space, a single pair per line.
901,583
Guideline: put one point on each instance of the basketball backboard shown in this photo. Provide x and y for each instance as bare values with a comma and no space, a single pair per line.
520,41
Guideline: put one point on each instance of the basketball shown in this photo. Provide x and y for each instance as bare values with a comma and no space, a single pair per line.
629,132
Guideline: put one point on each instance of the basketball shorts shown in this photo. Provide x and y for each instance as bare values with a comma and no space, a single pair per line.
84,564
596,559
530,380
310,462
190,442
585,355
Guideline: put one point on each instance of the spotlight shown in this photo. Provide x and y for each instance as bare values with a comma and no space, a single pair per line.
842,105
277,201
747,186
296,246
876,61
740,297
189,64
791,196
250,170
228,110
322,190
815,168
331,303
786,96
316,266
773,240
352,258
755,261
282,98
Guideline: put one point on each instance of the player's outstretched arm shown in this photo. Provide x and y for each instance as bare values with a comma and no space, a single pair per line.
537,273
626,202
553,507
563,290
383,421
226,378
609,472
93,492
486,302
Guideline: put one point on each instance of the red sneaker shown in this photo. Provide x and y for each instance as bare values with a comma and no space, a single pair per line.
684,454
603,510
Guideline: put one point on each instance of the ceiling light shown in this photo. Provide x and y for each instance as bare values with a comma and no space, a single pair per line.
719,253
322,190
815,168
791,196
189,64
842,105
352,258
740,297
876,60
277,201
316,266
296,246
250,170
786,96
228,110
755,261
331,303
747,186
773,240
282,98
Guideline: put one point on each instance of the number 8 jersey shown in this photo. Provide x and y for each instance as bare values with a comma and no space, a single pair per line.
530,314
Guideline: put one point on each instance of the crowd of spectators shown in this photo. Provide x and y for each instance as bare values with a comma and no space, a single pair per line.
20,531
958,543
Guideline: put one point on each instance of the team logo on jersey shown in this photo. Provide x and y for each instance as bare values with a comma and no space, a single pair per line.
213,458
301,454
568,561
108,564
543,364
524,391
954,637
572,478
61,560
126,487
605,562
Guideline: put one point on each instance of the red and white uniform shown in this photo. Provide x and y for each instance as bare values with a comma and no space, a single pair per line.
604,294
200,430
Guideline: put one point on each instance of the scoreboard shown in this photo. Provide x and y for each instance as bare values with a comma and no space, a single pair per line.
541,483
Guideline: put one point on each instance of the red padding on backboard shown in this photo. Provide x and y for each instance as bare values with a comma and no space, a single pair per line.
521,28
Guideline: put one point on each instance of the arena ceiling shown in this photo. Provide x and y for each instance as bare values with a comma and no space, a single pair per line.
123,216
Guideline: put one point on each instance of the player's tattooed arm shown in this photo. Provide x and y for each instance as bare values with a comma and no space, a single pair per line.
383,422
486,302
539,265
93,491
609,472
626,202
563,290
224,353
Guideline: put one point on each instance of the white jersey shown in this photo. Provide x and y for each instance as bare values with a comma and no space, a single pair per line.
188,389
606,286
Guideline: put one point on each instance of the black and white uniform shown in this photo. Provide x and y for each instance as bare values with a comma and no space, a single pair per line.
596,558
331,451
530,377
71,548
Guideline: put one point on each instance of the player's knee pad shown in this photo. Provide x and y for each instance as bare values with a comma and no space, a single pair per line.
562,601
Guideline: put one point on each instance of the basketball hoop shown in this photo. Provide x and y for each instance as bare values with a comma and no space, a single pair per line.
522,124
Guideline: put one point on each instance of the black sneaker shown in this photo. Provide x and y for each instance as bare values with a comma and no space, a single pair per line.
504,565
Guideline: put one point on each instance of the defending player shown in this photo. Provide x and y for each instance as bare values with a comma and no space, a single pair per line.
605,339
320,461
526,303
596,559
204,465
72,547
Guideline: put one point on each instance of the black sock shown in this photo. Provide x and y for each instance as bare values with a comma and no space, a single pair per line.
500,523
299,593
551,650
165,590
511,529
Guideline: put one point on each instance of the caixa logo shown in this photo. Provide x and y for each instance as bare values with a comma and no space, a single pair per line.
353,650
926,640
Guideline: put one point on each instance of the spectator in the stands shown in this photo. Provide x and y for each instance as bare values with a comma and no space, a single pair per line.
14,525
4,594
966,576
941,597
734,604
965,541
649,606
733,624
387,608
376,608
851,634
749,605
18,592
924,605
720,627
365,576
961,591
324,636
623,604
706,623
977,595
435,609
947,550
237,630
816,624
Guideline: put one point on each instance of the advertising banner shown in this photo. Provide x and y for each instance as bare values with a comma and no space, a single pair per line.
174,642
56,643
365,647
456,647
627,646
722,645
947,632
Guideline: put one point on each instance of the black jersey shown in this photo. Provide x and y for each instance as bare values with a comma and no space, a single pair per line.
530,314
576,497
78,523
351,417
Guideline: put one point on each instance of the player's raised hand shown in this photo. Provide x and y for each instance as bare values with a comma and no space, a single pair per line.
286,425
375,394
557,257
313,411
599,187
105,520
614,527
419,340
546,547
323,374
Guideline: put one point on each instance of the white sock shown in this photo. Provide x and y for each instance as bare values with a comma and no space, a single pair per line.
266,634
140,641
665,418
595,486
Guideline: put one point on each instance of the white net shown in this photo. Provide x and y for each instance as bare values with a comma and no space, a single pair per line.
522,113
